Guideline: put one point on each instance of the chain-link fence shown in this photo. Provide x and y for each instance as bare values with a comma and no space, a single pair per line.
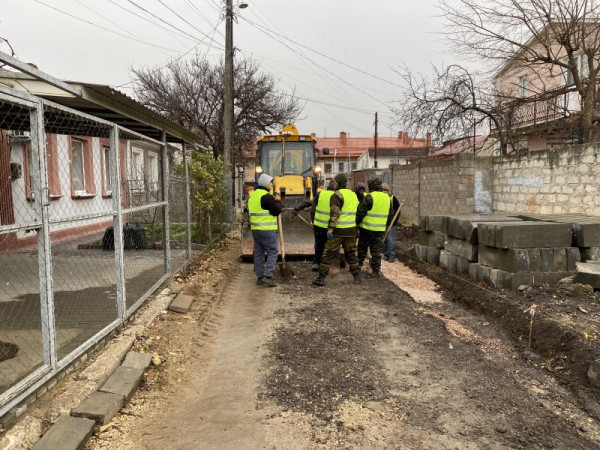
92,220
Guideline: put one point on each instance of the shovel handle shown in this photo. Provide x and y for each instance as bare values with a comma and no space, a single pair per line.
393,220
280,233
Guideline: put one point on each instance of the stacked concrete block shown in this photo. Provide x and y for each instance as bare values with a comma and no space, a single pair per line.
461,246
517,253
431,239
586,231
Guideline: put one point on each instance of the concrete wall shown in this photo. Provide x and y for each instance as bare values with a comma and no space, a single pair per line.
556,181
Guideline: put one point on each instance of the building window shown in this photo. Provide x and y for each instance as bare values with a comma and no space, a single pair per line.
353,165
137,170
152,172
522,145
77,168
523,86
327,167
341,166
82,168
394,161
106,170
583,69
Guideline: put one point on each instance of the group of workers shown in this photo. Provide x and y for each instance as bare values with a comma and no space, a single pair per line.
341,218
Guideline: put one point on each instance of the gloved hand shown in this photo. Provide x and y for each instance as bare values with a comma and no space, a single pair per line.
329,234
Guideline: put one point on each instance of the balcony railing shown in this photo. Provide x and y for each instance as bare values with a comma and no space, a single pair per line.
544,108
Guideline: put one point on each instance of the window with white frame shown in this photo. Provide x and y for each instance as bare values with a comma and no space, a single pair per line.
341,166
327,167
582,67
523,86
106,162
137,169
78,166
353,165
152,172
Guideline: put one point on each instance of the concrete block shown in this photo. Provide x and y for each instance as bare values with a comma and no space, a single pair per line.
509,260
588,273
123,381
505,280
433,256
461,248
547,259
586,234
535,259
100,407
525,234
590,253
462,265
573,257
137,360
560,259
430,223
434,239
181,303
68,433
473,272
447,261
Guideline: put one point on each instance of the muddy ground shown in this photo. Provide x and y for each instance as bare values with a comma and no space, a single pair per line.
406,361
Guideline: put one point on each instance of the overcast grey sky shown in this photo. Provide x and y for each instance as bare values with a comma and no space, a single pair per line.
337,55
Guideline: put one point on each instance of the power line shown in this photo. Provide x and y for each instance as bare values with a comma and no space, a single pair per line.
103,28
182,18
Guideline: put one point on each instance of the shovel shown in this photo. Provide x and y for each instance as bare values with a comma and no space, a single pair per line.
286,272
393,220
305,221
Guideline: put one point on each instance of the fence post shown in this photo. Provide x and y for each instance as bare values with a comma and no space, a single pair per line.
188,208
115,174
165,195
41,194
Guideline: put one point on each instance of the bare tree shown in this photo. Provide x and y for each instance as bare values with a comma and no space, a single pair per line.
191,94
450,104
552,39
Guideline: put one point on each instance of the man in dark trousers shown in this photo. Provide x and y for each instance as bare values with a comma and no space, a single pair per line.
263,209
319,212
372,216
341,230
389,245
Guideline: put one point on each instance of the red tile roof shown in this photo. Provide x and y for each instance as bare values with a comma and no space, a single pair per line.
460,146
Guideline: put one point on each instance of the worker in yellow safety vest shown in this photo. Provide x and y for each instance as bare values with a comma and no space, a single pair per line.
263,209
341,230
372,216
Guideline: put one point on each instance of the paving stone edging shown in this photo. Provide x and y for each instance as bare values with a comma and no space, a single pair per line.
99,408
28,430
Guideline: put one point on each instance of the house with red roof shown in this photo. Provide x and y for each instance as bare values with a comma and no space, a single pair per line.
348,153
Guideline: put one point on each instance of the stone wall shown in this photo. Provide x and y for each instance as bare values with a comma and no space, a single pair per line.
557,181
564,181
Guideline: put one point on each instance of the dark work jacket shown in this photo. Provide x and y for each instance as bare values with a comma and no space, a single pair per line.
365,206
395,206
269,203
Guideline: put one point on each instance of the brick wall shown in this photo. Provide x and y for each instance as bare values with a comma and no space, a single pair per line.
557,181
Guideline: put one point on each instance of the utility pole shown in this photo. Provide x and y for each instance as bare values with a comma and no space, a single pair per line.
228,110
375,151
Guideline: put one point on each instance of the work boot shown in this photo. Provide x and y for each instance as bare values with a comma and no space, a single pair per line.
392,260
358,279
385,258
376,273
259,282
315,267
319,281
343,263
268,281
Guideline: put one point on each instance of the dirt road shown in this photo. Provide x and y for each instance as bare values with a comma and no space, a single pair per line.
380,365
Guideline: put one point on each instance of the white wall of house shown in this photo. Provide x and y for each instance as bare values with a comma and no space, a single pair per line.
365,161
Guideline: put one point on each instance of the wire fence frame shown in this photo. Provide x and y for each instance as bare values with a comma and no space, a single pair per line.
52,363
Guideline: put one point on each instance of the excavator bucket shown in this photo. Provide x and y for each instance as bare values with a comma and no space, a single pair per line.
298,236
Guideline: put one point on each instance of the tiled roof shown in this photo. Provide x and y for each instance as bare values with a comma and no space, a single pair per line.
367,142
460,146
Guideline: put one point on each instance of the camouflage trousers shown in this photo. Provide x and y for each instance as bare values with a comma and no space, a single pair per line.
332,248
373,241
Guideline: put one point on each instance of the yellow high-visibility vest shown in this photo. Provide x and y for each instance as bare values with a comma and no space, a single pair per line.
260,219
323,209
348,217
376,218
